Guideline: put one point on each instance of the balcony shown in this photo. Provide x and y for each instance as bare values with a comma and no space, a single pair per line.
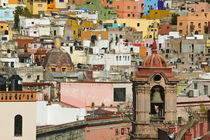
18,96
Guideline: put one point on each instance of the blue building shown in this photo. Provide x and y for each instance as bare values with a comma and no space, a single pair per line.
153,5
6,14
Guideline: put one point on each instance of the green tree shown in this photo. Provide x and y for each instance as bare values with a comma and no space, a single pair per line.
20,11
174,19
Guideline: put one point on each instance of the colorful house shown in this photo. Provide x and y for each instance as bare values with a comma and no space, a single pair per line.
196,22
197,7
12,1
6,14
124,8
5,30
105,12
164,29
35,7
103,35
139,24
153,5
78,25
156,14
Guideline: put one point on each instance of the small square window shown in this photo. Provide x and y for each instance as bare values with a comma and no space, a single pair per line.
128,7
119,94
39,5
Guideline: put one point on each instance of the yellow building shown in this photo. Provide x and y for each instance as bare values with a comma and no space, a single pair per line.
4,29
78,25
35,7
208,46
139,24
156,14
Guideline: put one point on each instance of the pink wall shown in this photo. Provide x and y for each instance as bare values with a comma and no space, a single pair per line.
84,94
198,130
108,132
150,42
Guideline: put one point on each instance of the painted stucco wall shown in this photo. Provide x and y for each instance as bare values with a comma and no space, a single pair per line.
84,94
8,112
138,24
55,114
108,132
61,5
6,14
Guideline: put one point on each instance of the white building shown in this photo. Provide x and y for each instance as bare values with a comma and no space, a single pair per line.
54,114
109,60
4,3
18,115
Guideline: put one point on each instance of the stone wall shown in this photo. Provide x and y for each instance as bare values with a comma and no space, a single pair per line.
69,131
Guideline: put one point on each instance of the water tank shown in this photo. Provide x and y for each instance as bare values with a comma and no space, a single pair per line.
2,83
15,83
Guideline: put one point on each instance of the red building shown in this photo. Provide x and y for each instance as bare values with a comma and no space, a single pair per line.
164,29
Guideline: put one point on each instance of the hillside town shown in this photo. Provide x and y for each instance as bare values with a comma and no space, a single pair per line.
105,69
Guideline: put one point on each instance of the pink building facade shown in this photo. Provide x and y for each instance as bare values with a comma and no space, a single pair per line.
97,94
148,43
108,132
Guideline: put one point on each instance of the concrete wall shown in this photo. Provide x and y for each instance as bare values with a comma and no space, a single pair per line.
8,112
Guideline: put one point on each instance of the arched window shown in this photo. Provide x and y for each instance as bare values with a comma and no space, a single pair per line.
18,125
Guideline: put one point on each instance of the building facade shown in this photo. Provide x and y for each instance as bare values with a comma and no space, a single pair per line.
154,98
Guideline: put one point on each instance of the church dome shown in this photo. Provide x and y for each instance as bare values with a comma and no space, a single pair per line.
154,60
57,57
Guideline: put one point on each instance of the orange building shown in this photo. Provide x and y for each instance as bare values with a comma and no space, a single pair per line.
77,2
103,35
198,7
194,22
142,51
124,8
12,1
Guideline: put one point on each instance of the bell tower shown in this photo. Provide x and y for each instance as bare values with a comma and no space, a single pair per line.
154,97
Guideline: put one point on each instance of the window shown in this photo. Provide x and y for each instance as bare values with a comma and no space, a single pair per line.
128,15
195,85
199,25
53,69
122,131
180,23
133,15
138,24
2,27
205,89
128,7
180,31
118,6
63,69
4,38
34,32
119,94
179,120
116,131
18,126
134,7
32,22
61,0
39,5
117,58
